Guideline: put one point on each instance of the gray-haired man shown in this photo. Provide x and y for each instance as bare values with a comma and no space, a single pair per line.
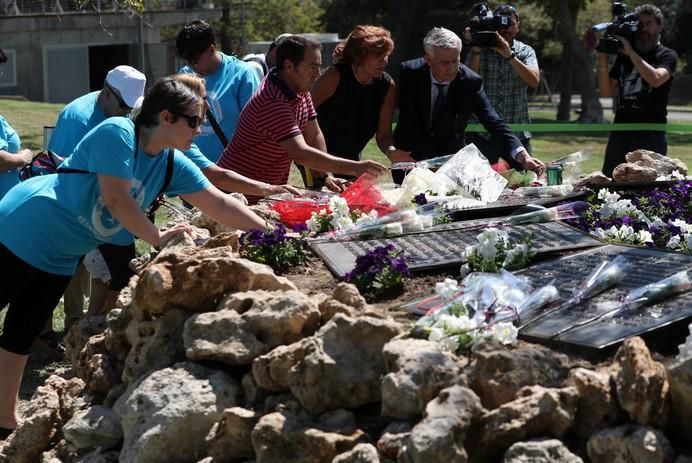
438,95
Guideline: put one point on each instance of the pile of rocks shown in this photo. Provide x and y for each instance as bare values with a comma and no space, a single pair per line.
213,358
645,166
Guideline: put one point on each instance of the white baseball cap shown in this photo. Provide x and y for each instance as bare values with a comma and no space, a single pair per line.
129,82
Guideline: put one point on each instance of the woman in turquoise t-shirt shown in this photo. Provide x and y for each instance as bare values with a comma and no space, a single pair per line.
48,222
11,157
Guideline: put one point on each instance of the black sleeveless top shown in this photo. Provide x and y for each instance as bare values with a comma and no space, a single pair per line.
349,117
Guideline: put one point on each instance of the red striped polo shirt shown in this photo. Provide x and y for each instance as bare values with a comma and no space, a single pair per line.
273,114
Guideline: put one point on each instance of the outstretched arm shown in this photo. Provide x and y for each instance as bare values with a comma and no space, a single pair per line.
225,209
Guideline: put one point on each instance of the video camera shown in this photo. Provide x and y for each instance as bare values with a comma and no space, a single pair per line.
483,25
624,24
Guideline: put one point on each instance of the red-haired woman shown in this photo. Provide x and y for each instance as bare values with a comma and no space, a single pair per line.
354,97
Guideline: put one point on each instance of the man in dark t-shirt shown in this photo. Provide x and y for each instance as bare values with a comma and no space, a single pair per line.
640,78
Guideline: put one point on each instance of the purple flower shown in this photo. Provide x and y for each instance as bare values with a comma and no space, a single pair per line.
380,269
300,228
420,199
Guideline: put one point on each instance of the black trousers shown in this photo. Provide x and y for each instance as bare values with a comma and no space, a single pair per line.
32,294
117,260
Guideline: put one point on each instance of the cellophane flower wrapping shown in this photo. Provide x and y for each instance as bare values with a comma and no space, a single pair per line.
648,294
484,306
471,170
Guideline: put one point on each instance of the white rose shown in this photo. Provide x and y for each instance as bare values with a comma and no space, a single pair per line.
643,236
505,333
450,343
436,334
447,289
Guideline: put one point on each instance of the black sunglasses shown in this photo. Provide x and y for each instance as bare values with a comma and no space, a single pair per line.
124,106
192,121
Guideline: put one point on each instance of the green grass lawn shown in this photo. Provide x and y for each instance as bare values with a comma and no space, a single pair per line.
28,119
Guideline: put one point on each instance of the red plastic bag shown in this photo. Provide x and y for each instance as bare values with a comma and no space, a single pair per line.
364,194
297,211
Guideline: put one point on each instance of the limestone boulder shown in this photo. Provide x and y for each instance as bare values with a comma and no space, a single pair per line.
94,427
79,334
272,370
250,324
221,337
417,370
361,453
346,300
441,434
155,343
277,318
598,407
51,406
663,164
630,444
641,384
631,172
93,365
536,412
540,451
342,364
288,436
393,439
167,413
498,374
230,438
680,380
197,282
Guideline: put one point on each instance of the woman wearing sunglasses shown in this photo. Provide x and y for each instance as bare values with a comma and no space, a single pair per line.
48,222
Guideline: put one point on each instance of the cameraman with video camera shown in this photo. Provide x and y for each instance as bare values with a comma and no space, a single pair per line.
508,68
641,78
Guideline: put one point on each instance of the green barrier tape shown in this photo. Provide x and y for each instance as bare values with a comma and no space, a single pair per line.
588,127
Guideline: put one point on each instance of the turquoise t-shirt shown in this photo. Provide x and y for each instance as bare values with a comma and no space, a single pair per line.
9,141
198,158
52,220
75,120
228,89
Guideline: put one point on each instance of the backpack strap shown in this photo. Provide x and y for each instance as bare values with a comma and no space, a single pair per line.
151,213
217,129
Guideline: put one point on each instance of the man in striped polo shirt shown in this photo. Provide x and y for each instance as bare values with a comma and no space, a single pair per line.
279,124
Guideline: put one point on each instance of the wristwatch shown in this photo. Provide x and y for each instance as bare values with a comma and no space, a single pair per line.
511,57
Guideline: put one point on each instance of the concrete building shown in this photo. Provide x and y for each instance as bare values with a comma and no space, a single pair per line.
56,54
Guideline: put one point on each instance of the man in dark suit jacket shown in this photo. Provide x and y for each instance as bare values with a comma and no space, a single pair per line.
431,124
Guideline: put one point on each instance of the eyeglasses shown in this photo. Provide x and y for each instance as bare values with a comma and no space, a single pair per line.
192,121
121,103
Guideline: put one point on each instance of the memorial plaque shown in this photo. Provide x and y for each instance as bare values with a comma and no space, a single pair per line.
647,266
508,204
442,246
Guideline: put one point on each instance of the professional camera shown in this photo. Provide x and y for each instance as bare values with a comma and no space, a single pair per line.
625,25
483,25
